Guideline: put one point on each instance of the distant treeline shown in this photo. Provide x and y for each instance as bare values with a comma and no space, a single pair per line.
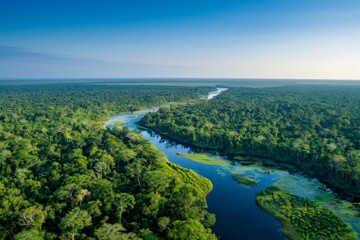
64,176
316,128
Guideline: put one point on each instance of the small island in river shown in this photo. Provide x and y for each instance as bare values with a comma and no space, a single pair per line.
244,180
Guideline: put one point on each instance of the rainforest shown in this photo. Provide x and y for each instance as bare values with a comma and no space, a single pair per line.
64,176
154,161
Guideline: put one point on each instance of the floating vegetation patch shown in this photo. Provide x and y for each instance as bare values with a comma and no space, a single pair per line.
268,170
204,158
244,180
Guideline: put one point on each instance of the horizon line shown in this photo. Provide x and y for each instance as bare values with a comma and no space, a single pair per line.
176,78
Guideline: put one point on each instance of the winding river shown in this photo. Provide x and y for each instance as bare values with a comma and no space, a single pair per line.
238,216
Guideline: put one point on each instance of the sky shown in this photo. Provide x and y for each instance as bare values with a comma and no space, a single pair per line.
299,39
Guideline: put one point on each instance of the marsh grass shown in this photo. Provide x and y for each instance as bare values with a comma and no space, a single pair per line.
203,158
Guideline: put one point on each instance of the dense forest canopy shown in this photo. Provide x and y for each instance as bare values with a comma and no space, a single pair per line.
96,101
63,175
316,128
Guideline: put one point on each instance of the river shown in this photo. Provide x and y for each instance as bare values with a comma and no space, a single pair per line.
238,216
213,94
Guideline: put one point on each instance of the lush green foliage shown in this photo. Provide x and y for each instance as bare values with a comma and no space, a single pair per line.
244,180
316,128
302,218
87,101
62,175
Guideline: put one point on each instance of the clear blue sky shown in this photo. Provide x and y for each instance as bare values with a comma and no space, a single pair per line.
180,38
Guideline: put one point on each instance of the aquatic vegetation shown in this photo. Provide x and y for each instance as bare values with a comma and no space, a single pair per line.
204,158
301,217
244,180
268,170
